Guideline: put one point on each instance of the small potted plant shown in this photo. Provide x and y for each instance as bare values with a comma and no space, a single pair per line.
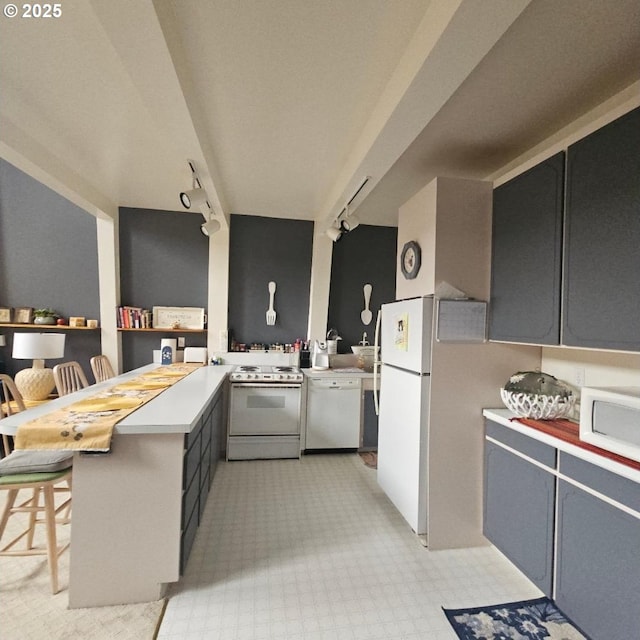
44,316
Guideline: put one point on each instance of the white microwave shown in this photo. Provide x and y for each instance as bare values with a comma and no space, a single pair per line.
610,419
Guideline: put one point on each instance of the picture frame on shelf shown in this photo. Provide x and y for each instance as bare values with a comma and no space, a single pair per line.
23,315
5,315
178,318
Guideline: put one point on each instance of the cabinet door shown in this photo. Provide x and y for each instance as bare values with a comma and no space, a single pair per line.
526,256
602,245
369,423
519,513
598,571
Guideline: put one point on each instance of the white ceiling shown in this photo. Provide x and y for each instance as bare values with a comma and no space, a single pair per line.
286,105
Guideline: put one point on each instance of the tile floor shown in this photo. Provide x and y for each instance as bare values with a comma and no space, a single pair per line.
313,550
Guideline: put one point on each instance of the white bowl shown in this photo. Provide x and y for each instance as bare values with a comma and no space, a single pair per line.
366,351
538,407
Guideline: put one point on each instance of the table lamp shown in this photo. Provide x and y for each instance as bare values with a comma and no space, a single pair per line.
37,383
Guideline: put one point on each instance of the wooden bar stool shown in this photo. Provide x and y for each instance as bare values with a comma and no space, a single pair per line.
39,473
102,369
69,377
40,484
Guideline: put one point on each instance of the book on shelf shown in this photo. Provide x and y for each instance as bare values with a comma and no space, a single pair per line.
133,317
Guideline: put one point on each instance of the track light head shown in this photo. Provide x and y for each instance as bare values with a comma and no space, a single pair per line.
334,233
193,198
210,227
349,223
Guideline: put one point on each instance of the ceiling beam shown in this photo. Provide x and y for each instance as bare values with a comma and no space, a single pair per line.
452,38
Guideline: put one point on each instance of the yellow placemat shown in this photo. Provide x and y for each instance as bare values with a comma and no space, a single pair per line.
87,425
142,385
110,403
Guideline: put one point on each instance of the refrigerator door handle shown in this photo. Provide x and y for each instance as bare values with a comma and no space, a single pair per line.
376,364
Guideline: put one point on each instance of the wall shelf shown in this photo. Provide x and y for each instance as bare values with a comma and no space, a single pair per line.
45,327
164,330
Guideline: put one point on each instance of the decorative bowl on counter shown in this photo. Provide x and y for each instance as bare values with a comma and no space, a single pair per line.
537,395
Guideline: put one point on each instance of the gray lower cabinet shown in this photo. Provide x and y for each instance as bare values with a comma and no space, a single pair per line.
598,565
595,542
202,452
519,499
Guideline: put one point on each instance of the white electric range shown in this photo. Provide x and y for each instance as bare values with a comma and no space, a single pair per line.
264,412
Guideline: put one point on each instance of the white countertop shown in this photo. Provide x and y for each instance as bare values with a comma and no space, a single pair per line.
509,419
175,410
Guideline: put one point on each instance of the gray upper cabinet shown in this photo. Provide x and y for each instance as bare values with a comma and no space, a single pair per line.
593,269
601,304
526,256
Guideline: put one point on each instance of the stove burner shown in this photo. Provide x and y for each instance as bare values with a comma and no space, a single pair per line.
267,374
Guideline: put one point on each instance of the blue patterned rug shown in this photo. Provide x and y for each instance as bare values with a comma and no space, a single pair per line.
538,619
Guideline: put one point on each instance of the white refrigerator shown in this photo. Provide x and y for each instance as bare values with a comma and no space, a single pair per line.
405,337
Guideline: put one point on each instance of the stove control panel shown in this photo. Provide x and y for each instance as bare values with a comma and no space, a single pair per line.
264,374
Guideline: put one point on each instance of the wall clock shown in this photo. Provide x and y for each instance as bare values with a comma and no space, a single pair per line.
410,260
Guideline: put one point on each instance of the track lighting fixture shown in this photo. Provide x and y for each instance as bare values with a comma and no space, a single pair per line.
196,196
210,227
334,233
346,222
349,223
193,198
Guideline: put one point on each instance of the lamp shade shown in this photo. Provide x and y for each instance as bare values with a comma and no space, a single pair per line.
38,346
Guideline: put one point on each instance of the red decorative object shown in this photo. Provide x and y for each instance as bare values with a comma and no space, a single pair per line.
61,321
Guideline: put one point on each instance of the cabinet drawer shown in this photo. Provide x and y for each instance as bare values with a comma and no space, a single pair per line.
538,451
190,500
188,536
616,487
191,462
193,435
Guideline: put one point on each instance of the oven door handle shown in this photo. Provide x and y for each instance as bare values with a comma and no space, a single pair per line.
259,385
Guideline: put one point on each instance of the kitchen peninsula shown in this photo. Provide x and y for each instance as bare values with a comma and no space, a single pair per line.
137,508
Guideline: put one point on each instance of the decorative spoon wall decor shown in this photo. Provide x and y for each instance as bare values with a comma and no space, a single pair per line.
366,316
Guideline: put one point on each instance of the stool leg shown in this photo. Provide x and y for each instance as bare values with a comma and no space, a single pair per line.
52,544
33,516
12,494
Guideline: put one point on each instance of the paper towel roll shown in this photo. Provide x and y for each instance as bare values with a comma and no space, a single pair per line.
172,343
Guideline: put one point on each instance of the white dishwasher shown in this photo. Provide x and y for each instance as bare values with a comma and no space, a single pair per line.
333,413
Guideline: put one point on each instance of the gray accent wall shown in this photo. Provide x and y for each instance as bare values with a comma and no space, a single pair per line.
48,258
263,250
365,255
163,262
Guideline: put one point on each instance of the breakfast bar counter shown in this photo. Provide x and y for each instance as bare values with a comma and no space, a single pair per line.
136,509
